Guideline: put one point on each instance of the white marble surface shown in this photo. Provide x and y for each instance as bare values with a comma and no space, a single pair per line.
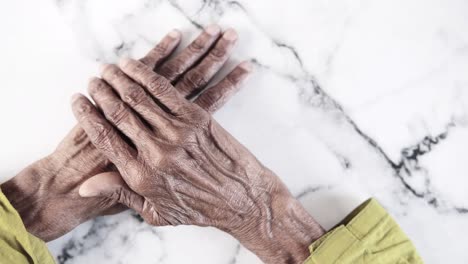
350,99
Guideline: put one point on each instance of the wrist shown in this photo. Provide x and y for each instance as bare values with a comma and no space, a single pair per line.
282,233
24,191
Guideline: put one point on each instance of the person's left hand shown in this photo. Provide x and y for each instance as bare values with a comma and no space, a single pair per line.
46,193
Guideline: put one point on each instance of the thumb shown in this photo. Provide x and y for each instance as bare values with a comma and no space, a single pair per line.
112,186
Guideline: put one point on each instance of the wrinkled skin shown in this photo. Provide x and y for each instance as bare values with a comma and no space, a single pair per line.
46,193
183,168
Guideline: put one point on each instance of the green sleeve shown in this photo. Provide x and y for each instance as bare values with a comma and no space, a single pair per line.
16,244
368,235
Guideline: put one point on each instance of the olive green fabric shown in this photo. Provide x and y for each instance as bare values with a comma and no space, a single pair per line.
368,235
16,244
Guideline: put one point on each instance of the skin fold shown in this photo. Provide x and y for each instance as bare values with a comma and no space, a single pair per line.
182,168
46,193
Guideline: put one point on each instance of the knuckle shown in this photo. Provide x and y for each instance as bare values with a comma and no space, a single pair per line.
137,69
116,195
117,113
160,49
196,46
147,60
207,101
153,56
101,135
134,95
122,196
218,53
181,63
231,80
140,68
158,85
195,79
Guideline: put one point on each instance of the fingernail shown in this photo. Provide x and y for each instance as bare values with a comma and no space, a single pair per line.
246,65
89,191
101,184
175,34
124,62
213,30
230,34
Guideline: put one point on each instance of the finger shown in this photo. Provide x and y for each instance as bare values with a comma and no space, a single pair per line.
115,209
175,67
158,86
215,97
115,206
118,113
195,79
112,186
162,50
135,96
101,133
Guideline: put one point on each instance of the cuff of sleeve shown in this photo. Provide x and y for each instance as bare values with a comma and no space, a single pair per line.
368,235
16,244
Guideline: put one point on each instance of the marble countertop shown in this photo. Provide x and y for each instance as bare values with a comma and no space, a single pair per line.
350,99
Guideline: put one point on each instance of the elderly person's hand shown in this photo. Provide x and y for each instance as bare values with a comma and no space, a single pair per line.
46,193
183,168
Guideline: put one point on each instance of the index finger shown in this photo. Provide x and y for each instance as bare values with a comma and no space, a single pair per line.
101,133
158,86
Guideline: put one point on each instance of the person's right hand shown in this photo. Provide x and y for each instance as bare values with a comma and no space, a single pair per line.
46,193
183,168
